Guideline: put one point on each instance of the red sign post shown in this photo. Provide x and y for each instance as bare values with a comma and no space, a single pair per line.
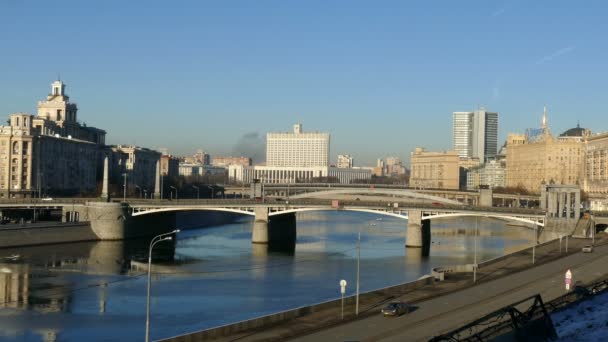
568,279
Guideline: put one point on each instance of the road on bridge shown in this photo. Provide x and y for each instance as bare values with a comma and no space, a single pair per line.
445,313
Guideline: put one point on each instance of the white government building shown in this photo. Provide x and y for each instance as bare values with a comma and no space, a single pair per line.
297,157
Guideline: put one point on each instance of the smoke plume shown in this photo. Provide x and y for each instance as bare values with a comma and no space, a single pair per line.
251,145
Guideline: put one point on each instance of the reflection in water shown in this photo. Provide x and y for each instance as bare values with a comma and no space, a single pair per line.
41,279
71,292
259,256
413,256
36,281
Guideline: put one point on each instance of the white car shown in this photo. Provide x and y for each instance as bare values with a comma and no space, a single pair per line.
47,199
587,249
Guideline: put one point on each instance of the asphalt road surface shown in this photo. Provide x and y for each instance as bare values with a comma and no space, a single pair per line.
442,314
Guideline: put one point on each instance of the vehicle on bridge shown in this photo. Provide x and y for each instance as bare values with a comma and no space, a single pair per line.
587,249
396,309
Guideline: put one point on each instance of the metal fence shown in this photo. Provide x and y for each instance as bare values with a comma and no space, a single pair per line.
530,324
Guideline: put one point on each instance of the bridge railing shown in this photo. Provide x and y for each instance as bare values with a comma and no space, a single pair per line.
389,206
50,201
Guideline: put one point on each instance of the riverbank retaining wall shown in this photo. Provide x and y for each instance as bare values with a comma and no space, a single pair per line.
46,234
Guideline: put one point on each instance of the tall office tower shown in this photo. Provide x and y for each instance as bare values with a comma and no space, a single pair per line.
476,134
297,149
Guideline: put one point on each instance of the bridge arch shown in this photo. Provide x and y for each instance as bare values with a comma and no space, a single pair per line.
144,211
505,217
374,191
400,215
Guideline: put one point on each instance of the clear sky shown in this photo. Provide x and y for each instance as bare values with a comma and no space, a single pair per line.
381,76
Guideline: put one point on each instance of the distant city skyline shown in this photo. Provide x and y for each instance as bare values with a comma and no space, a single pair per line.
381,80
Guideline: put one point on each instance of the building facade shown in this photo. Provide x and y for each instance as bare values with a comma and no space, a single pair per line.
394,167
596,171
227,161
169,166
283,175
139,165
475,134
465,165
50,153
544,160
492,174
345,161
188,170
437,170
297,149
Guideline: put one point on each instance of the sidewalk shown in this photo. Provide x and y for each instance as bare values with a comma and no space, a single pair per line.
371,303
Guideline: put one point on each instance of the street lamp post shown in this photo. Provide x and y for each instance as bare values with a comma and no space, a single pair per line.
358,268
358,261
534,245
174,188
155,240
124,193
212,191
138,188
475,248
197,191
145,193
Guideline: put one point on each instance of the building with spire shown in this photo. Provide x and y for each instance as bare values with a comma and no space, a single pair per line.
50,153
538,158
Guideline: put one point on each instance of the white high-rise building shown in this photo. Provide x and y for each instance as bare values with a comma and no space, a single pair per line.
297,149
297,157
476,134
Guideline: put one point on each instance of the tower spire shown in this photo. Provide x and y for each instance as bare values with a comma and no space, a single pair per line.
544,125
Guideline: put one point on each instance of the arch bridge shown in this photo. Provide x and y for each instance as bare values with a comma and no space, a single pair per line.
279,216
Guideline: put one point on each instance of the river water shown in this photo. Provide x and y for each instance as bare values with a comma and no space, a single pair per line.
211,276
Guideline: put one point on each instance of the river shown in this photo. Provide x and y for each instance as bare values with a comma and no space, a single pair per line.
211,276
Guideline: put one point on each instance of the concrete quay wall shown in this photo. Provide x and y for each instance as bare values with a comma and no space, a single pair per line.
113,221
264,321
41,235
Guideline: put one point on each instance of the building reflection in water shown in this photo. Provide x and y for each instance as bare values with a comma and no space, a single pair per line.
31,279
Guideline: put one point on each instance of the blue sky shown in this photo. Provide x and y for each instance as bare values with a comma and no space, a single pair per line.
381,76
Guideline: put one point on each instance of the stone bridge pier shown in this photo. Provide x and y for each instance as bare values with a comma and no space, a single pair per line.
114,221
418,231
260,226
278,231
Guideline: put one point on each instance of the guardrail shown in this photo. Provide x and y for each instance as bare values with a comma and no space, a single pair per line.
534,317
533,322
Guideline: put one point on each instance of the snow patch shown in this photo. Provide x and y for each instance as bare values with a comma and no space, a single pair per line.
585,321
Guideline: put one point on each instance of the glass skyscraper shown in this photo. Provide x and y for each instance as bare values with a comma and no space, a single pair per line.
476,134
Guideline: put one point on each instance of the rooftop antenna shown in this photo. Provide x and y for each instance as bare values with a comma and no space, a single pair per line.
58,76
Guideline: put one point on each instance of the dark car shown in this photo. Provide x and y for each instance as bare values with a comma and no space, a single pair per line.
395,309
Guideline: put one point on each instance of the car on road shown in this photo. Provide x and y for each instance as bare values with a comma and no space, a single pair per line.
587,249
396,309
